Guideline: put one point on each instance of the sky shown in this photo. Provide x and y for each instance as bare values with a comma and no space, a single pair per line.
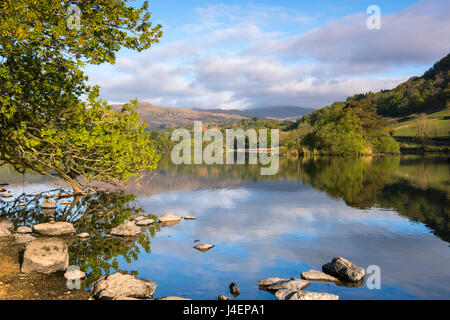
248,54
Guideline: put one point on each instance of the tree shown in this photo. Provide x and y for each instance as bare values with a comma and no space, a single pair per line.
422,128
51,121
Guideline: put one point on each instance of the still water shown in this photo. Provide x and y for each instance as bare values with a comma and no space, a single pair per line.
392,212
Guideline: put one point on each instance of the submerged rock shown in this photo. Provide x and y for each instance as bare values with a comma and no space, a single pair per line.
190,218
344,270
169,217
304,295
54,228
140,218
45,256
23,238
234,290
128,229
314,275
24,230
6,195
223,298
267,282
204,247
122,285
145,222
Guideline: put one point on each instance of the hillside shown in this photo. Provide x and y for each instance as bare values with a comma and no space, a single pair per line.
279,112
426,94
167,118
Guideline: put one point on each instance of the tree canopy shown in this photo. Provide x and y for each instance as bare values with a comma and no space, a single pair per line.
51,121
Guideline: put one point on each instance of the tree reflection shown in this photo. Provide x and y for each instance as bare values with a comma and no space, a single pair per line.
95,214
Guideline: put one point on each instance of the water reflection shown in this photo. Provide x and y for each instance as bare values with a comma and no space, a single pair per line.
95,214
392,212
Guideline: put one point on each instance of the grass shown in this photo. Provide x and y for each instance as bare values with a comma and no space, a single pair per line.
438,125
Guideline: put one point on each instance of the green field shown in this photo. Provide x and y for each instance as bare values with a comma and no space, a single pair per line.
437,125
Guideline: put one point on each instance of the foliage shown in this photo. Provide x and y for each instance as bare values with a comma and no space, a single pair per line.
51,122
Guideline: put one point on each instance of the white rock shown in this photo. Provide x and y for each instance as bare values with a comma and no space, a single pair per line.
128,229
84,235
48,204
122,285
145,222
304,295
45,256
292,284
204,247
74,275
54,229
24,230
23,238
169,217
314,275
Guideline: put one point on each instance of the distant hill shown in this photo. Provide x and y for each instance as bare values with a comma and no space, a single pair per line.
281,113
166,118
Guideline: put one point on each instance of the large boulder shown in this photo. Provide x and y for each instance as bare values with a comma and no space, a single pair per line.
54,229
169,217
128,229
314,275
45,256
122,285
304,295
344,270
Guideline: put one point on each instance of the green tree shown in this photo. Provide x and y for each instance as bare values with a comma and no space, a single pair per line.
51,122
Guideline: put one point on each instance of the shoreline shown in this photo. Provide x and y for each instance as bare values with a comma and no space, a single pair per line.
15,285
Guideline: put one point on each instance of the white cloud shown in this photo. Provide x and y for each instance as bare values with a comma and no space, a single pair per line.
229,58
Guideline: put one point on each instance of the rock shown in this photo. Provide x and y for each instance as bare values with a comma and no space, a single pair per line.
223,298
2,190
23,238
128,229
292,284
140,218
304,295
54,229
22,204
74,275
204,247
5,223
344,270
83,235
190,218
4,232
169,217
267,282
48,204
24,230
314,275
45,256
126,299
234,290
6,195
173,299
122,285
145,222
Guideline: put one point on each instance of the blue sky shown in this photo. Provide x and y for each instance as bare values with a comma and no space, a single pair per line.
246,54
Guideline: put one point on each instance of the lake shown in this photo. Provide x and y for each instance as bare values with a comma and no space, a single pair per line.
392,212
